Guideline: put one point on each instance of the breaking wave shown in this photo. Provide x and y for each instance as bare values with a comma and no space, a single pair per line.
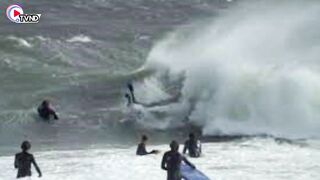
254,69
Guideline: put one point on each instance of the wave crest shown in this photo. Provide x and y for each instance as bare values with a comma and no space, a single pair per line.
254,70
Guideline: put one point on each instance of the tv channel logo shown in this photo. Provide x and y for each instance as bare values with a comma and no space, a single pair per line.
15,14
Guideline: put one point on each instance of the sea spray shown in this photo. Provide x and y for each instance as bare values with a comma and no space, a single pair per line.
253,70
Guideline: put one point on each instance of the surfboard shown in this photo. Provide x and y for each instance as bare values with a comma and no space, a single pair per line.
192,174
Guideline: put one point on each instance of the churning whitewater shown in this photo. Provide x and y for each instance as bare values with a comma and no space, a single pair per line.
254,70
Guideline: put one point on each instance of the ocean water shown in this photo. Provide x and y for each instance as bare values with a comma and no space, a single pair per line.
243,74
243,159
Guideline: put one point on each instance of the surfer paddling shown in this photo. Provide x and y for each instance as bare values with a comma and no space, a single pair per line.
46,112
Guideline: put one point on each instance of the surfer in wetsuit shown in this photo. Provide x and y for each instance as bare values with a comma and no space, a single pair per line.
193,146
46,112
171,162
131,90
141,150
128,98
23,161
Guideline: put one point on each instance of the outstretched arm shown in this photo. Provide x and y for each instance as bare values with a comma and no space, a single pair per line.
36,166
164,163
154,152
141,150
55,116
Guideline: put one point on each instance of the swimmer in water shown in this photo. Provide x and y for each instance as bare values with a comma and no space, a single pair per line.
46,112
192,146
141,150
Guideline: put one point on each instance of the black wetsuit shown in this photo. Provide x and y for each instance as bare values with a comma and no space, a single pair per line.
141,150
23,162
191,146
131,89
129,99
46,113
171,162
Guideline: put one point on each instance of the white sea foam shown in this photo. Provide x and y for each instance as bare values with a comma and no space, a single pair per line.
255,159
255,69
80,39
20,41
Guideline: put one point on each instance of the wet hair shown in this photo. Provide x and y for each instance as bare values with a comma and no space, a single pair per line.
45,103
191,136
25,145
174,145
144,137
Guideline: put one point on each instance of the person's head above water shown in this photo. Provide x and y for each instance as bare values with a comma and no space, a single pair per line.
45,103
174,145
25,146
144,138
192,136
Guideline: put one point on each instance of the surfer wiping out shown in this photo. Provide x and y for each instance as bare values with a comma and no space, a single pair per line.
46,112
141,150
171,162
128,99
23,161
131,99
131,90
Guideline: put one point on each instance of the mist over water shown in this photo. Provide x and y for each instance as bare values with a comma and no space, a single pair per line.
252,70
